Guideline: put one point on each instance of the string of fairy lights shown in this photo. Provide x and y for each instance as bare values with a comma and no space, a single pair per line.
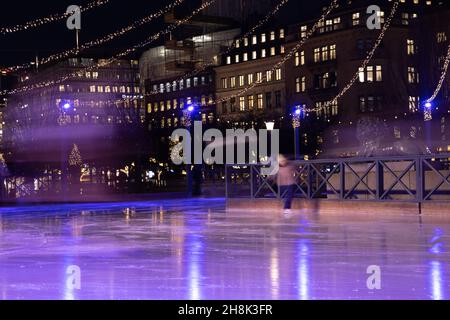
428,105
288,56
263,21
106,62
97,42
49,19
442,77
212,62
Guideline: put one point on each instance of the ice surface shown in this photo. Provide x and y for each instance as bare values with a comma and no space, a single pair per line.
194,249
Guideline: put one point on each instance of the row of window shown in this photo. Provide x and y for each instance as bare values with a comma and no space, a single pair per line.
263,38
179,121
100,104
95,75
263,53
259,77
326,110
329,52
357,19
375,103
253,102
94,119
182,84
101,89
175,104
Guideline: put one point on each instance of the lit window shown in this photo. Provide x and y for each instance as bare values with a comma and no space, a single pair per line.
250,78
356,18
251,102
233,82
411,47
241,103
413,75
272,51
260,101
272,35
278,75
303,31
263,53
241,81
224,83
259,77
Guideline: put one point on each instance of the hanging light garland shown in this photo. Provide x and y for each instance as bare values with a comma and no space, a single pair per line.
287,57
212,62
106,62
52,18
365,63
442,78
97,42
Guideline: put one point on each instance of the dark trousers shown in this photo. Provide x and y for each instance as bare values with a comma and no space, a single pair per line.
287,192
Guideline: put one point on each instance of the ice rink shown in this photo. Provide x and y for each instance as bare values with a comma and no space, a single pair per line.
194,249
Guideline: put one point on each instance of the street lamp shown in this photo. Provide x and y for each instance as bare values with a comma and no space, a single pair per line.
270,125
296,120
427,117
188,114
427,111
66,106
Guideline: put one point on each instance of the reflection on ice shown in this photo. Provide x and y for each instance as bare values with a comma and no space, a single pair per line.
303,270
195,260
194,249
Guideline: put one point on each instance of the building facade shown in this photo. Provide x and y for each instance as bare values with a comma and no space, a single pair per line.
179,76
99,110
250,65
381,113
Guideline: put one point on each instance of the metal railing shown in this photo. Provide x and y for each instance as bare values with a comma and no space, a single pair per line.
415,179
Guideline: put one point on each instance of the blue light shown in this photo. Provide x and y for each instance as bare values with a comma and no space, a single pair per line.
191,108
67,106
298,112
428,105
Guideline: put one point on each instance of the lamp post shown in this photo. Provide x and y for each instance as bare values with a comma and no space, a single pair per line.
65,107
296,121
428,117
188,117
270,126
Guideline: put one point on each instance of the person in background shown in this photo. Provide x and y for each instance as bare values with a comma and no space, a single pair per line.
286,182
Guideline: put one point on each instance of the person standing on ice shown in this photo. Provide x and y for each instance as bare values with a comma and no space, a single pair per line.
285,179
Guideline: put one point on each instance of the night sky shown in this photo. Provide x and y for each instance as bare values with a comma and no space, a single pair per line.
55,37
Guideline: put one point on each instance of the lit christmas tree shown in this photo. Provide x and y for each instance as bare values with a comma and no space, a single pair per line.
3,167
75,157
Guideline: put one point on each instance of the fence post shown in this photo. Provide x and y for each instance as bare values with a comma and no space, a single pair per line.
342,179
379,179
420,180
226,182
